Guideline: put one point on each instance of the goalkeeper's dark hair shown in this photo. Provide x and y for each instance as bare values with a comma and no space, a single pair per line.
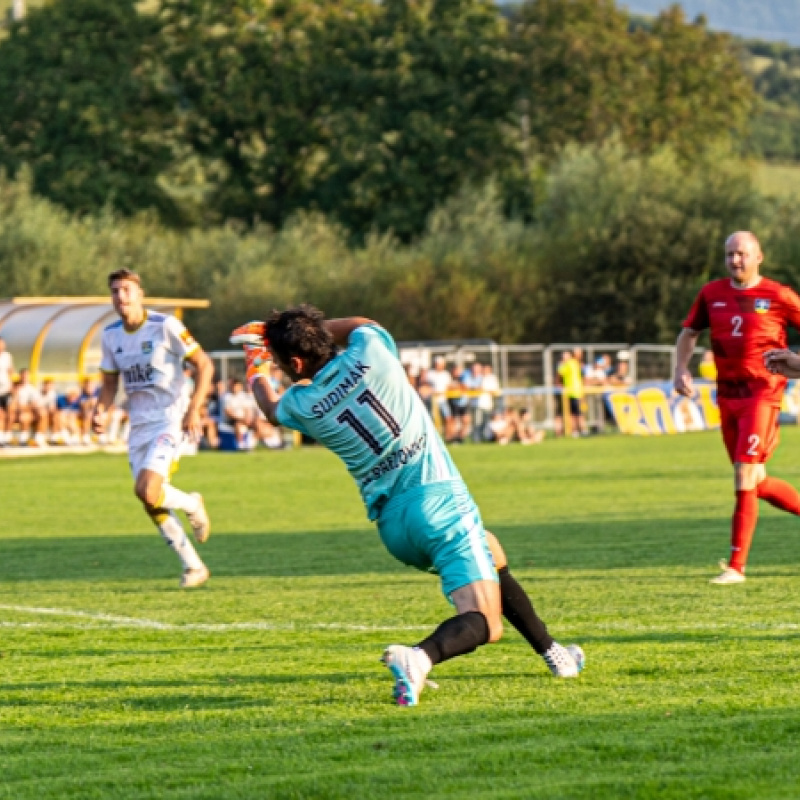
299,332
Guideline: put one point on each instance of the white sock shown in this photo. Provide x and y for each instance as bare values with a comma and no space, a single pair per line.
175,498
174,535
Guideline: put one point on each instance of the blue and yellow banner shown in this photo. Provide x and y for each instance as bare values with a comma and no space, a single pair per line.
653,409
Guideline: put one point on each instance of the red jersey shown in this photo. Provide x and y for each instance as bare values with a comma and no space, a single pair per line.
744,324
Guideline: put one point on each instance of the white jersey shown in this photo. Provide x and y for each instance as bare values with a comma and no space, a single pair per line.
150,361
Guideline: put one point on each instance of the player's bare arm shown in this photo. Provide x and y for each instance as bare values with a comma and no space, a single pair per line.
108,391
341,329
683,382
783,362
203,376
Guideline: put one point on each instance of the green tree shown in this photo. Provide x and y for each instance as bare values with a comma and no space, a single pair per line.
371,113
585,75
85,106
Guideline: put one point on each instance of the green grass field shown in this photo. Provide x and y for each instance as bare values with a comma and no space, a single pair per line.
267,684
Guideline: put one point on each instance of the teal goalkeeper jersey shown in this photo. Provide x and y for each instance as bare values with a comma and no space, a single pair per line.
361,406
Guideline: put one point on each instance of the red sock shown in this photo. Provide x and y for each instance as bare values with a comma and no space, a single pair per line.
744,524
780,494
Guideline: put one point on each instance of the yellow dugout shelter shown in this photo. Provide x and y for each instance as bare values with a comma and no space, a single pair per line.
59,337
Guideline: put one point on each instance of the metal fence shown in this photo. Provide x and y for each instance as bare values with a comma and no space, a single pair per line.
527,372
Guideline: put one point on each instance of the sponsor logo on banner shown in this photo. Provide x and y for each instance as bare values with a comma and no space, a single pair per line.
762,306
147,348
653,409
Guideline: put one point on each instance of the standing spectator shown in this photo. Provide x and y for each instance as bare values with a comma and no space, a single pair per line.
622,376
440,379
474,383
459,405
27,411
708,367
490,391
599,374
569,375
6,381
425,389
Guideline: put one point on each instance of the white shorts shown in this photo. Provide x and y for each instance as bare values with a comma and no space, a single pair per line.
157,448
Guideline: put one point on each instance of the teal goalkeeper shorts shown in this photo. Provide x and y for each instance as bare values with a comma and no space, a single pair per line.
438,528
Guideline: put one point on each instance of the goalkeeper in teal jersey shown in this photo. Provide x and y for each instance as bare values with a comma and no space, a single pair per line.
352,395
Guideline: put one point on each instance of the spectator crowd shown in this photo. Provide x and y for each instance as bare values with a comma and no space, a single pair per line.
465,402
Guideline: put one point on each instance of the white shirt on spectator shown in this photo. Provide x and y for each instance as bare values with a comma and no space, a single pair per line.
28,396
6,369
490,386
440,380
237,405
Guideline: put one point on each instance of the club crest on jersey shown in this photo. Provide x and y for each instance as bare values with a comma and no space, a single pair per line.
147,347
762,306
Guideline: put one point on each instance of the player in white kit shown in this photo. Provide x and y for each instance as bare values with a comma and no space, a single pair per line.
148,350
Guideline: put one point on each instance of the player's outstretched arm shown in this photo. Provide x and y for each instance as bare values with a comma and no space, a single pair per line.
341,329
783,362
108,391
682,381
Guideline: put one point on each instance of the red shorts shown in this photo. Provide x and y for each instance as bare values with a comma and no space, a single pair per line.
749,429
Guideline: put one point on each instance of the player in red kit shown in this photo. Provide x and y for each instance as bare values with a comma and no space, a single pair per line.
747,315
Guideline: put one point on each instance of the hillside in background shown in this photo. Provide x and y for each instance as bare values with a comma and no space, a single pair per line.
773,20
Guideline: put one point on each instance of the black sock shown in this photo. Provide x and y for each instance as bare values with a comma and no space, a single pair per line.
456,637
517,609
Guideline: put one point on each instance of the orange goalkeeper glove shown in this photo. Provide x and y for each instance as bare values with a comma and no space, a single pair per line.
252,337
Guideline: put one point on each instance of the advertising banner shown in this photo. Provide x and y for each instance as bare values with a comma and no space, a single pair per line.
654,408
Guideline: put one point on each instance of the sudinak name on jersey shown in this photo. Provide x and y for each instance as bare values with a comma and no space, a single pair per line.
333,398
399,458
138,373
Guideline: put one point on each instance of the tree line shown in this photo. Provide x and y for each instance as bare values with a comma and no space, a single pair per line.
617,247
372,114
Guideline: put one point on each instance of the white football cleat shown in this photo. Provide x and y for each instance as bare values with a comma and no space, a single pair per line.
564,662
728,575
409,674
194,577
199,520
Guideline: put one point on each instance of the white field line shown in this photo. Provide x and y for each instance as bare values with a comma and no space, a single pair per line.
115,621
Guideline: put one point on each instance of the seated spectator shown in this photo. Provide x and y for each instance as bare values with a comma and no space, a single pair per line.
210,416
68,415
6,383
87,399
527,432
52,422
514,425
27,411
238,411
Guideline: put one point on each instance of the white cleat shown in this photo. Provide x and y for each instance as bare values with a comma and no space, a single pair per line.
409,674
194,577
564,662
199,520
728,576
